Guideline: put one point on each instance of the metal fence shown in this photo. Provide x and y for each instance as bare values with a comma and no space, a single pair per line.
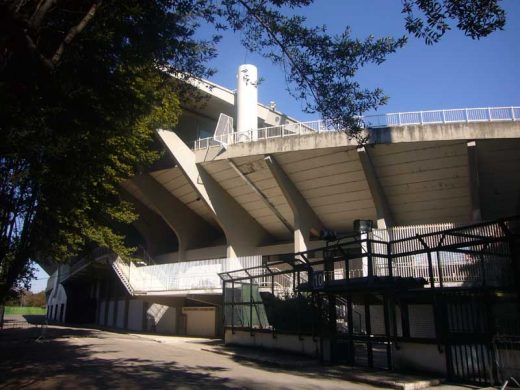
476,256
507,355
450,286
459,256
463,115
488,114
181,276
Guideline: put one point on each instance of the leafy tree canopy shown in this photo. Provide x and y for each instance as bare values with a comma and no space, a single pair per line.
430,19
83,84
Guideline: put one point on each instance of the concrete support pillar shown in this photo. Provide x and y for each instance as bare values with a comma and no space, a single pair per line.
306,222
383,211
243,233
194,234
474,182
301,238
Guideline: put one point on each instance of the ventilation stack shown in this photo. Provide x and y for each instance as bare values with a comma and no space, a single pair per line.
247,98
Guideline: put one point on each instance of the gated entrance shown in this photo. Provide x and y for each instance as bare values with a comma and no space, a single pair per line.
469,327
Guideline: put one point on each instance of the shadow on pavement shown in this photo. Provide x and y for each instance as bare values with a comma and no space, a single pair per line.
53,363
35,319
208,343
283,362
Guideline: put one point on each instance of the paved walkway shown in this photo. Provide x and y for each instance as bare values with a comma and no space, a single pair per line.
78,358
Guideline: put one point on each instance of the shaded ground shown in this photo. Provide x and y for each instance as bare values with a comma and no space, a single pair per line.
74,358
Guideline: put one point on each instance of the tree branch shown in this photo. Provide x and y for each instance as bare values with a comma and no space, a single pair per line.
21,3
32,46
41,10
75,31
282,48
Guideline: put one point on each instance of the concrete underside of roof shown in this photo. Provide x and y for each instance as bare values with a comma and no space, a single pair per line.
405,176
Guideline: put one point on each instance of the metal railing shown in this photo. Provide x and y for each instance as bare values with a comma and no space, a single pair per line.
507,355
474,256
461,115
287,130
181,276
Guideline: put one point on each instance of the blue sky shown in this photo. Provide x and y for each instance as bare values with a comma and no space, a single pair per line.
40,280
454,73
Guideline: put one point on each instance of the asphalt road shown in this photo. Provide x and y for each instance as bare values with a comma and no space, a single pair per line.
73,358
90,359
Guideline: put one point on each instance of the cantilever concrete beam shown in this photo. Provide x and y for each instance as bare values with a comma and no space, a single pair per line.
474,181
305,219
159,237
197,232
242,231
383,211
264,198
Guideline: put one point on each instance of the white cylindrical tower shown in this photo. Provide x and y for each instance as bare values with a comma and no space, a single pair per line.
247,98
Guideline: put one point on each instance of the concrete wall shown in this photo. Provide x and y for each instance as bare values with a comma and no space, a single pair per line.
193,254
168,322
389,135
57,300
286,342
200,321
101,313
421,321
192,127
135,315
420,357
220,251
409,356
120,320
161,314
111,317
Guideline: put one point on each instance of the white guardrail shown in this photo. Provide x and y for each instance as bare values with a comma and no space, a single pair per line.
181,276
461,115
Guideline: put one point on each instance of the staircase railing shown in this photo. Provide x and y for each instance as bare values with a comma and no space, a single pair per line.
122,270
181,276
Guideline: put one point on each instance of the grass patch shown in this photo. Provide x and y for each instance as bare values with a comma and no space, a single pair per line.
9,310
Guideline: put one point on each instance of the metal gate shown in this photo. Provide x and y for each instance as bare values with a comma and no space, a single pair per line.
507,353
469,353
362,334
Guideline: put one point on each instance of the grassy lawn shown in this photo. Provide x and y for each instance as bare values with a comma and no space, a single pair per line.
24,310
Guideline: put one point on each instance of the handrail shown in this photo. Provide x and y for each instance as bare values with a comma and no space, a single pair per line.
180,276
397,119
